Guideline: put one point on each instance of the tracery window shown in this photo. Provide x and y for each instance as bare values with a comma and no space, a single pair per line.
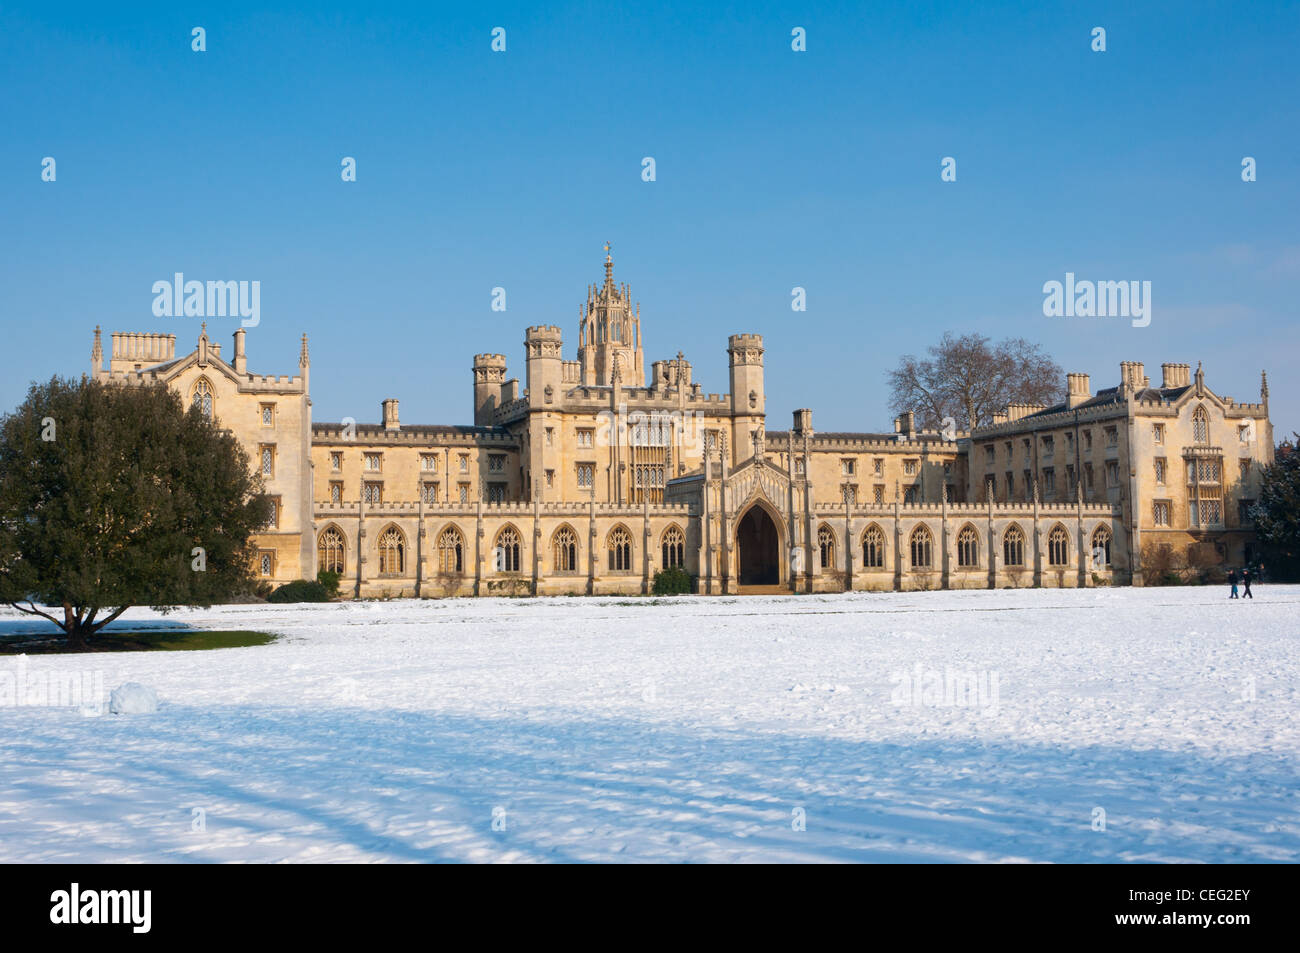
968,548
451,550
1101,546
1013,546
392,552
674,547
922,548
1058,541
507,550
826,546
203,397
619,544
565,547
329,550
873,548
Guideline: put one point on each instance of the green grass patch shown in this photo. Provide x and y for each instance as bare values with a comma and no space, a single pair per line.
158,640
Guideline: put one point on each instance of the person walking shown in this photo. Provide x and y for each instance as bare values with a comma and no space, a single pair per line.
1232,578
1245,578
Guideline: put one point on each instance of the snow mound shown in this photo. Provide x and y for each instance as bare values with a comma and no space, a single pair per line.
133,699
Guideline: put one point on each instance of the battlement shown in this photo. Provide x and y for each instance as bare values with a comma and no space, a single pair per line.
489,360
745,340
546,331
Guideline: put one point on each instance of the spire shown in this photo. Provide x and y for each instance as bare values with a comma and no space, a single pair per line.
304,360
609,267
1263,378
97,352
1200,379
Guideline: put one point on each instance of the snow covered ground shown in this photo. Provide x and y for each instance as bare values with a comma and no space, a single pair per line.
700,729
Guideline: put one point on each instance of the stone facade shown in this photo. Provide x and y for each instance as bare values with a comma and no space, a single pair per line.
597,475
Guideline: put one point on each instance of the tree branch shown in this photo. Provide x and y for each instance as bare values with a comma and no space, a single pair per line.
32,610
113,615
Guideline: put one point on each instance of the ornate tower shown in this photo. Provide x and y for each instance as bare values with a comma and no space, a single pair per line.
609,329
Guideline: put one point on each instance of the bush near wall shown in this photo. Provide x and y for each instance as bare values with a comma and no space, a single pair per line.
672,582
300,590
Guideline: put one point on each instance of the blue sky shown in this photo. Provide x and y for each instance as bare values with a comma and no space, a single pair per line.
775,169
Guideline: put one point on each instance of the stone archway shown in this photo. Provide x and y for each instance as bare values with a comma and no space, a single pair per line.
758,549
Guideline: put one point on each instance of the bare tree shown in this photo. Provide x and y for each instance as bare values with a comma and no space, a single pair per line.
968,378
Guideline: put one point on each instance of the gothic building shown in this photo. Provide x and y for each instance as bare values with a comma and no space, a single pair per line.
596,475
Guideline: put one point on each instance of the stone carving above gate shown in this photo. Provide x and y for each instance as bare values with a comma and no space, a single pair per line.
756,478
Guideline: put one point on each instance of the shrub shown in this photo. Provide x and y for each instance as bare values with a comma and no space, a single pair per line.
330,580
300,590
672,581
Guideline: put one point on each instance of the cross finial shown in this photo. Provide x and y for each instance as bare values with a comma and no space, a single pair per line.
607,247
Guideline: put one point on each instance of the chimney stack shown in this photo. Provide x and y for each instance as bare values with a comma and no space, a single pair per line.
803,421
1078,389
390,414
241,360
1176,375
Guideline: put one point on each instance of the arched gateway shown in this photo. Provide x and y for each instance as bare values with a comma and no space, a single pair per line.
758,545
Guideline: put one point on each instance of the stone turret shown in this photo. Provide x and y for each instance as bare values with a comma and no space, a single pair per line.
544,377
489,375
748,396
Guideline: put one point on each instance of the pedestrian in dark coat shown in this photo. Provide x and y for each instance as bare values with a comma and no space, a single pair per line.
1232,578
1245,578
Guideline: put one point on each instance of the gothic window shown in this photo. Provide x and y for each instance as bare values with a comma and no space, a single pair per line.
1160,512
392,552
203,397
496,492
266,563
329,550
507,550
451,551
429,462
826,545
336,492
429,492
1058,546
873,548
565,547
1200,426
268,462
268,415
619,544
968,548
1013,546
373,492
585,474
922,547
1101,546
674,548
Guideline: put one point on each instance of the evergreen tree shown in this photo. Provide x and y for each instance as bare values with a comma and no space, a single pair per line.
115,495
1277,513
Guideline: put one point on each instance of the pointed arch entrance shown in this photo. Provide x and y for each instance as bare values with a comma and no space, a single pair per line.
758,548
